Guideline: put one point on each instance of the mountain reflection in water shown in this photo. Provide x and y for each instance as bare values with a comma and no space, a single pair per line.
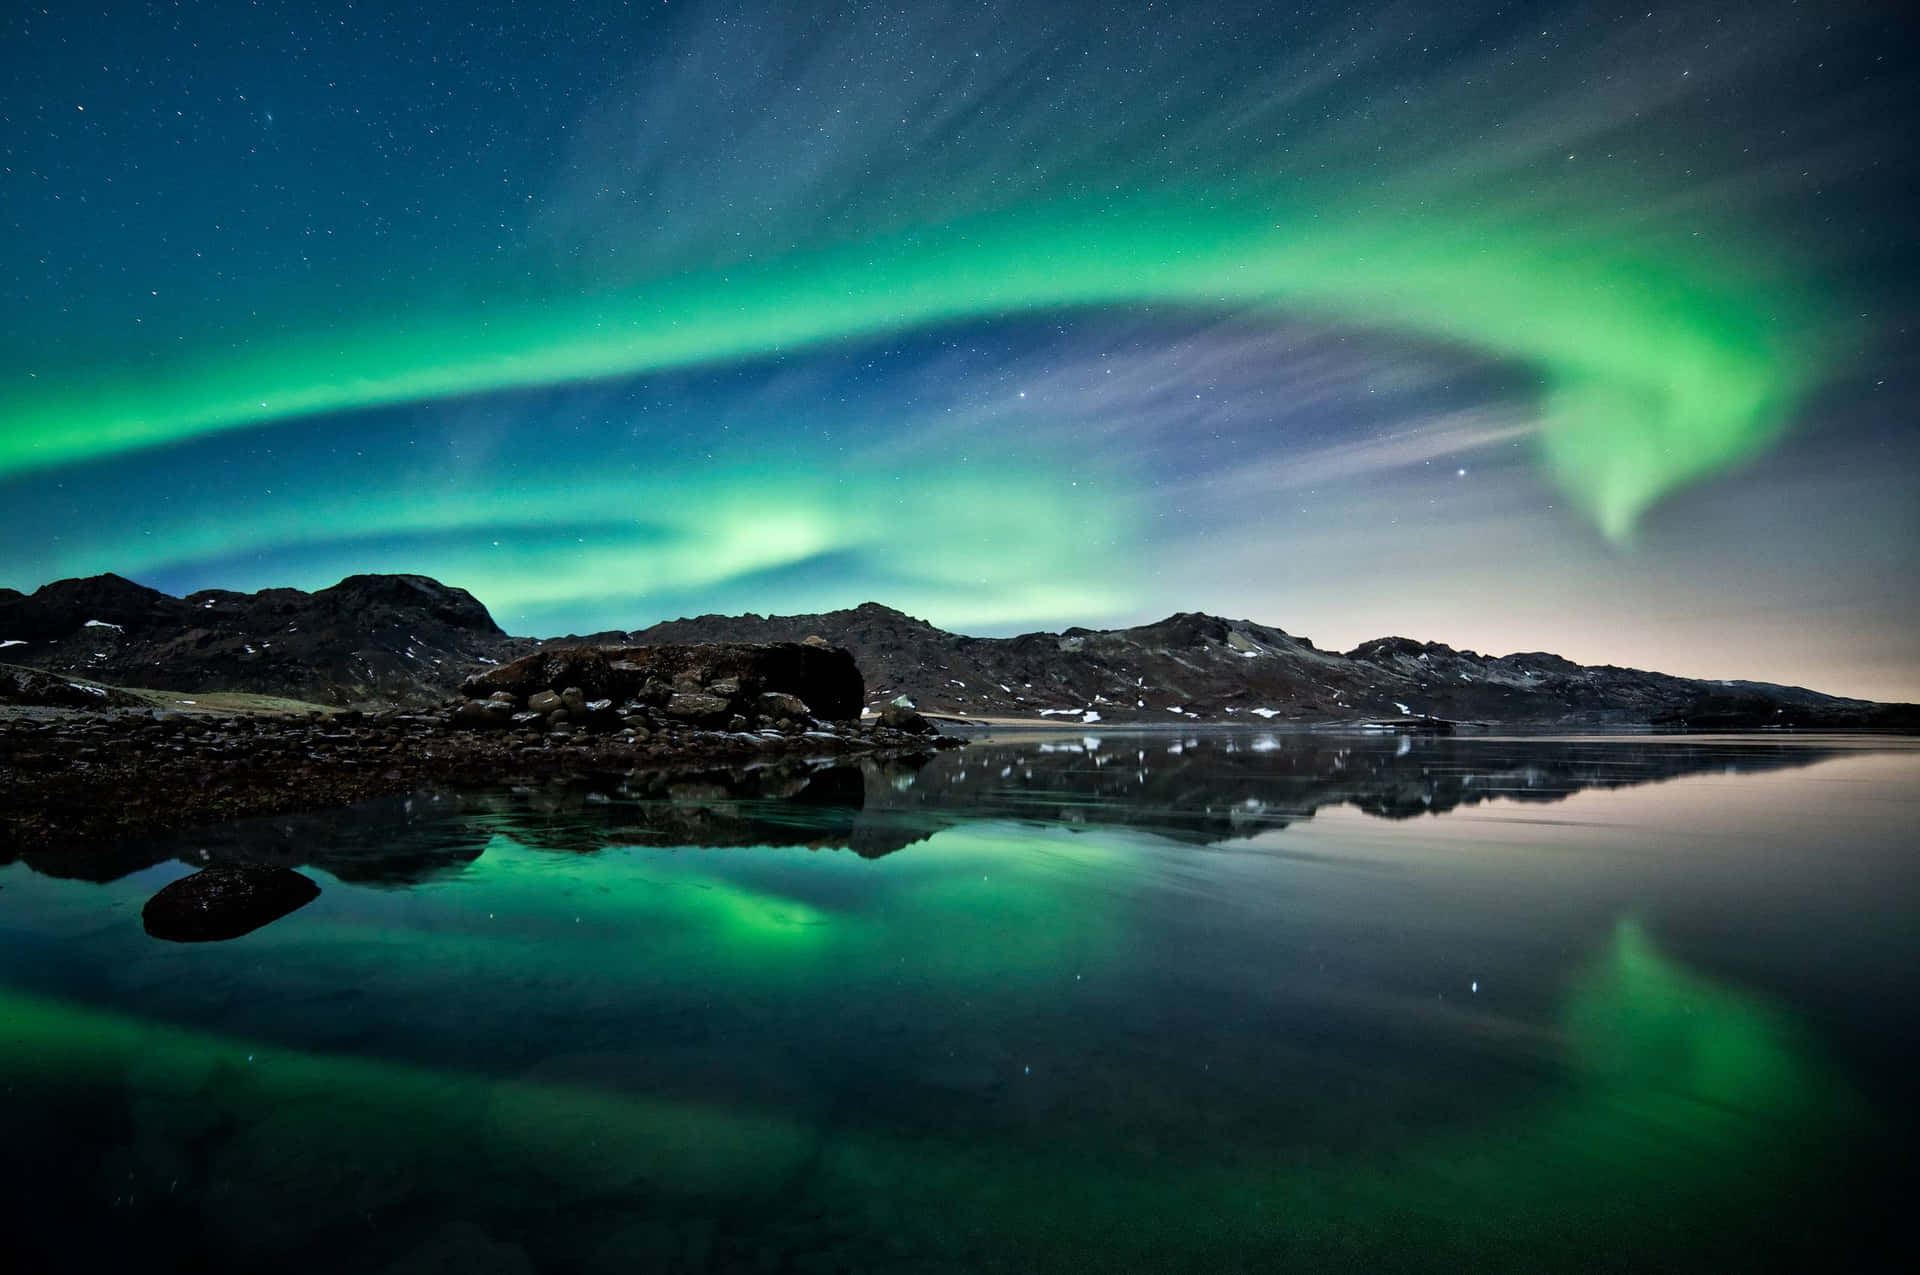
1056,1002
1199,788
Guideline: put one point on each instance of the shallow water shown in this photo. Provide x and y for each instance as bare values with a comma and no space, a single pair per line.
1116,1002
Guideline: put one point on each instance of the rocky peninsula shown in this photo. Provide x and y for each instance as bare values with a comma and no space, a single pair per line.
71,775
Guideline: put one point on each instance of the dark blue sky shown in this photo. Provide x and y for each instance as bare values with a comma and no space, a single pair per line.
1522,326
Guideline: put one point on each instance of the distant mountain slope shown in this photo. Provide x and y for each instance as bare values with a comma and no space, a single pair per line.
410,639
398,638
1191,667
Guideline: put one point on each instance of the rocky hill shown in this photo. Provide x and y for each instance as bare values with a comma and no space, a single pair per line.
370,638
409,639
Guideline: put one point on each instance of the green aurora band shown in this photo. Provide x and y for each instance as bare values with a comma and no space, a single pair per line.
1661,364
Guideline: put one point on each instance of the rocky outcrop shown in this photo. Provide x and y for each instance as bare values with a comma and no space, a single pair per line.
225,902
733,685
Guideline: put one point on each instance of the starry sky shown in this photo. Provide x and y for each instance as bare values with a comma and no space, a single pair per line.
1516,326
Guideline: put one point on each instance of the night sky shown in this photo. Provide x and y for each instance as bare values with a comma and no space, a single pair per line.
1516,326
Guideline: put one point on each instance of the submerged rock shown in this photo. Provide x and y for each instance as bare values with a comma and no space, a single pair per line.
225,902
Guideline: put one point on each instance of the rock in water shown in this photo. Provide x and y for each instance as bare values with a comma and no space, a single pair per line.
225,902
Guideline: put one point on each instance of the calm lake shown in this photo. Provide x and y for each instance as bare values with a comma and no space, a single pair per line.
1074,1002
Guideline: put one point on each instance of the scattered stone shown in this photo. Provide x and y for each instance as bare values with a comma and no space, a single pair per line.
543,702
487,714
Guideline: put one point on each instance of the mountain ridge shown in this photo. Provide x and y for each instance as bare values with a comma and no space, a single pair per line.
412,639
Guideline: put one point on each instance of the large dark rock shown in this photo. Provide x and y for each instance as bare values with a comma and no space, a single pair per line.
224,902
826,680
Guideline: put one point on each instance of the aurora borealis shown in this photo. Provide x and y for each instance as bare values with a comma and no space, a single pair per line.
1469,324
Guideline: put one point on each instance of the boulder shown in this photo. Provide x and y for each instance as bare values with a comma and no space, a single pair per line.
904,719
825,679
483,714
543,702
773,705
699,707
224,902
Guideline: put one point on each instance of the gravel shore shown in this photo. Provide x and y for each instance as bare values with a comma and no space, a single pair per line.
78,778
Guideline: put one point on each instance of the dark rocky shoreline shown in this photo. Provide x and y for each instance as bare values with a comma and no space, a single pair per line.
83,763
72,778
77,778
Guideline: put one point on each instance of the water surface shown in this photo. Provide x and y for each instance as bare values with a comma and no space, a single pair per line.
1076,1002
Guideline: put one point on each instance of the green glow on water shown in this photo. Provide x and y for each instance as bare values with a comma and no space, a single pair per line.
981,906
1682,1104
